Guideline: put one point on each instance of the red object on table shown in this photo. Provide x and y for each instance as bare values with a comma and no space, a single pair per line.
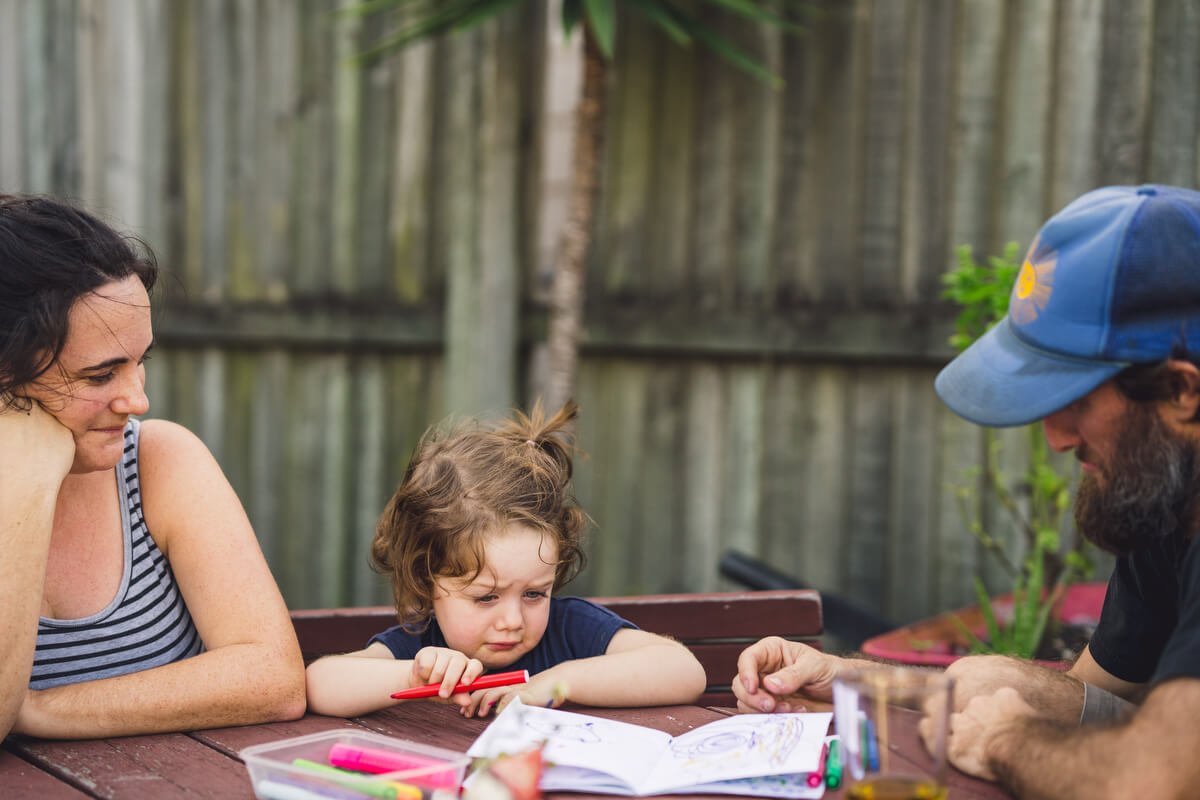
482,682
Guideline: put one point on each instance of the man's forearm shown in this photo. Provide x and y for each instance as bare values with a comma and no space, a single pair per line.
1038,759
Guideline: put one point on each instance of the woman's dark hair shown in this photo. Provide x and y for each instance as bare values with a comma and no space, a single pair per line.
467,482
52,254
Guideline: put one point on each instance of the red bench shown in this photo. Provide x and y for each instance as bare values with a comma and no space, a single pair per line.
715,626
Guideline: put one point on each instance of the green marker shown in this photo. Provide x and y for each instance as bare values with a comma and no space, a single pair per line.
389,790
833,765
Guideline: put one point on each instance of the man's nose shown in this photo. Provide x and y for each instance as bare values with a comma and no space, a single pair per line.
1062,432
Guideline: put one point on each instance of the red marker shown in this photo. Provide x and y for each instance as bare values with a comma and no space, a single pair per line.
817,776
482,682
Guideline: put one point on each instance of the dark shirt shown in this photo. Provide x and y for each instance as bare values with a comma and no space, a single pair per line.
1149,629
577,629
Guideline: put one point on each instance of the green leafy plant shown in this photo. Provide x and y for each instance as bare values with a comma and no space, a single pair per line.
1035,498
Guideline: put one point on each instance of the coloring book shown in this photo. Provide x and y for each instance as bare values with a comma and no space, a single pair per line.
767,755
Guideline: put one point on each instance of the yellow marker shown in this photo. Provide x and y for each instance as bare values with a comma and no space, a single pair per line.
558,695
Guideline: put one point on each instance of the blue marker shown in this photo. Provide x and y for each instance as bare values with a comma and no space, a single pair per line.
872,746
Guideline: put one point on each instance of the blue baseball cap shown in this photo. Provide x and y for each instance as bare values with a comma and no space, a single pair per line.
1111,280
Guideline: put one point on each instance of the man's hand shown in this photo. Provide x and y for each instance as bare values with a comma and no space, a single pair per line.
777,675
974,730
447,667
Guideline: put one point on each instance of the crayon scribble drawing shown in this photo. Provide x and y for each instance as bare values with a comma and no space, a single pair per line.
584,732
753,745
762,743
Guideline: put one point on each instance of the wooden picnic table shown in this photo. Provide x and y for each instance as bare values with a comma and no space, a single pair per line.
204,764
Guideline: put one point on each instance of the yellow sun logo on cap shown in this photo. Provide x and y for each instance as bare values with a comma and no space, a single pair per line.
1035,282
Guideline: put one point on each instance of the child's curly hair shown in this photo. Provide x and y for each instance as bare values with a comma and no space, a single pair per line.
467,481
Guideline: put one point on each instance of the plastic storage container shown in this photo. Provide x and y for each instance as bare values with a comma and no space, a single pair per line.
391,769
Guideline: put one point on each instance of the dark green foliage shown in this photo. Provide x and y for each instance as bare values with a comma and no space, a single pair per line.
421,19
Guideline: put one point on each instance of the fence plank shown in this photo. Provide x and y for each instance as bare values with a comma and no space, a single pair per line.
926,181
914,490
1124,78
704,454
973,149
659,521
1173,122
1025,121
838,70
674,174
623,239
1077,74
884,100
412,179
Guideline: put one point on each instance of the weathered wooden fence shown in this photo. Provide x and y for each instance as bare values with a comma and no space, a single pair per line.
351,254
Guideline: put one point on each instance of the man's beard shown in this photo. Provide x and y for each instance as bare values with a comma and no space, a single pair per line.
1149,490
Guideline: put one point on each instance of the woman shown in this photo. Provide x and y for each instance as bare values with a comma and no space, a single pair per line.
133,595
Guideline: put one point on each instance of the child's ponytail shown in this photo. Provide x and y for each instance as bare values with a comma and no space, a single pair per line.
544,449
543,437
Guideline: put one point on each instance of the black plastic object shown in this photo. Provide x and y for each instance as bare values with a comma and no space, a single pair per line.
850,624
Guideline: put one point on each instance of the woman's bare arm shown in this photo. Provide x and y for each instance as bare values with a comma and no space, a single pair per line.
251,670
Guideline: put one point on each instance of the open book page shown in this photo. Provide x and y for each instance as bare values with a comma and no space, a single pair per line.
592,751
586,753
743,746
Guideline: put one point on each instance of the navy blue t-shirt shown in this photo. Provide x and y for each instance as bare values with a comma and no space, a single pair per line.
1149,629
577,629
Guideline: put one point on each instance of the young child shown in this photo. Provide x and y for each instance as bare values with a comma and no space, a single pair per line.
478,538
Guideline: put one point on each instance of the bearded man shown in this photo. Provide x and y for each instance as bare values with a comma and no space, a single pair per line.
1101,343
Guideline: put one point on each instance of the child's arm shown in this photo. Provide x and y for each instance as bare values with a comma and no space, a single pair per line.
637,669
359,683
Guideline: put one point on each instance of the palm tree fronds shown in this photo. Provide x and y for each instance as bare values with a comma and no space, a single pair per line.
757,11
735,55
666,17
572,13
429,19
602,17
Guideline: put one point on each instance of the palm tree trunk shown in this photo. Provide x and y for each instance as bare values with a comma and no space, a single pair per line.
567,294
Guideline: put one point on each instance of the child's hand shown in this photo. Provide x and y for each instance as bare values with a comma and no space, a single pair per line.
542,691
447,667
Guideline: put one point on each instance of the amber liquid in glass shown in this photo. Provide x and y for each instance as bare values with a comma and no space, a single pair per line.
897,789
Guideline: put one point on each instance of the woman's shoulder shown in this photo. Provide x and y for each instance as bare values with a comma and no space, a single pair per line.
165,443
178,475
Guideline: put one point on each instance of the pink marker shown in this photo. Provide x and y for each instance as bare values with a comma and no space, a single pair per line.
377,761
817,776
482,682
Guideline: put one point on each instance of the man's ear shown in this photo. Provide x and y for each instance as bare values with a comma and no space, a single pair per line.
1184,403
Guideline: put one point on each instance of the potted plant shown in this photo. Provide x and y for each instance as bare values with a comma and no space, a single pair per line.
1045,602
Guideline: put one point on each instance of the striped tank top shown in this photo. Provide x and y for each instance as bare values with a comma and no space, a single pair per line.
146,625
